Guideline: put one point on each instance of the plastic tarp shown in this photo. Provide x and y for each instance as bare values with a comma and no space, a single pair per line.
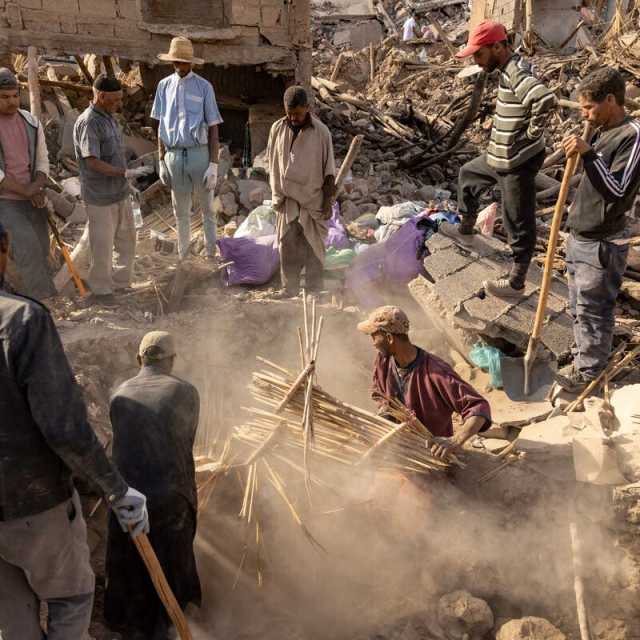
255,260
259,223
337,236
394,262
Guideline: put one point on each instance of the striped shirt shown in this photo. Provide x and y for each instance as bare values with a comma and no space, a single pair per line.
610,182
523,108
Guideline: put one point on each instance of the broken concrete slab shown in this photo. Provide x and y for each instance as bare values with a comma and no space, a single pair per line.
458,271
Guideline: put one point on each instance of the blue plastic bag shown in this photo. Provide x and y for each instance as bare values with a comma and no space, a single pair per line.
488,359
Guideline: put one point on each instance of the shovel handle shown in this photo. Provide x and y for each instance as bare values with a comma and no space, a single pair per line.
570,169
67,258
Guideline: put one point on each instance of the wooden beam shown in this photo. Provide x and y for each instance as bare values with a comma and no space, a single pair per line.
34,83
83,68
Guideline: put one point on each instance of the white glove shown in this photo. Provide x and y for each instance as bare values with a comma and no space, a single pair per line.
211,176
138,172
165,176
131,511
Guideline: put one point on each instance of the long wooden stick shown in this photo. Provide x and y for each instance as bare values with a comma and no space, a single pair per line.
372,62
161,585
34,83
578,582
543,295
347,163
299,381
336,68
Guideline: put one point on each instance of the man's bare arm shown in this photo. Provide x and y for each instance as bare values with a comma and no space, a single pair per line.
104,168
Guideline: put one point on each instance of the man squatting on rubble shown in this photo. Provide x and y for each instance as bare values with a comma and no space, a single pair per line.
100,152
426,385
515,153
302,177
596,249
44,556
188,146
154,418
24,167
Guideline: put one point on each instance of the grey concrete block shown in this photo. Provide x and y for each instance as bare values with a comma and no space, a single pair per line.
446,262
463,285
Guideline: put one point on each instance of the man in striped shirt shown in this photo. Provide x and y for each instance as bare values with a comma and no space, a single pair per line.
515,153
597,247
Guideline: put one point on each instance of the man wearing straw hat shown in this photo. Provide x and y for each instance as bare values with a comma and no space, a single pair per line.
188,147
426,385
154,417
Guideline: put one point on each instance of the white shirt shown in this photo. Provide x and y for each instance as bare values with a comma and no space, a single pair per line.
407,29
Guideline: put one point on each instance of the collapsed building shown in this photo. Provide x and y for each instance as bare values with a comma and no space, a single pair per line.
252,49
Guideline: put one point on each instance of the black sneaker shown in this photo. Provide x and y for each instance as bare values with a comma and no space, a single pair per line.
571,380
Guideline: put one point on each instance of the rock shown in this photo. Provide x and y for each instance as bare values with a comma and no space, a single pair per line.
461,615
611,629
258,196
226,205
425,193
368,207
529,628
349,211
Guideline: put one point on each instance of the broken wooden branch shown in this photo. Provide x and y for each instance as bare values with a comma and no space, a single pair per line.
35,103
347,163
83,69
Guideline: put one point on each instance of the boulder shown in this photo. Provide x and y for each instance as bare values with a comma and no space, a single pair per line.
349,211
462,616
529,628
226,205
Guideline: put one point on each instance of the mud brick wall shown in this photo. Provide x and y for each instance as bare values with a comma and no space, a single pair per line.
267,33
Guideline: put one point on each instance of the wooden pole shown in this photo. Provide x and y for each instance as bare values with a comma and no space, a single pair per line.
34,83
578,582
83,68
161,585
347,163
336,68
108,66
372,62
443,36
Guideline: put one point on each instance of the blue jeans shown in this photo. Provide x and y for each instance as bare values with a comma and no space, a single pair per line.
595,269
186,168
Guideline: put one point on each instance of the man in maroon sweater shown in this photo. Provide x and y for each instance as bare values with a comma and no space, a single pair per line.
425,384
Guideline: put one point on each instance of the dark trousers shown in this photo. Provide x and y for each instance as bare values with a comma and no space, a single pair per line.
595,269
295,254
518,200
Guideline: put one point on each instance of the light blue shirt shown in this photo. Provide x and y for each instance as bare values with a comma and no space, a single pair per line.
185,108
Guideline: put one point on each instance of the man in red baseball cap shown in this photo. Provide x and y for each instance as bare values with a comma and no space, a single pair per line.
514,155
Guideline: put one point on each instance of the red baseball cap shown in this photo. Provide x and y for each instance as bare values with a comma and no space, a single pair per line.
486,33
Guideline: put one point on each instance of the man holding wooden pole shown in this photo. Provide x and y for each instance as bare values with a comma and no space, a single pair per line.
597,247
45,438
514,156
302,175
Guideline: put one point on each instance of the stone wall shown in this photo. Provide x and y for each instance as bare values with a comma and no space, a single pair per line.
272,34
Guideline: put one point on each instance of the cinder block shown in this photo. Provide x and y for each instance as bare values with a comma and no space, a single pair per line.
14,16
98,29
49,26
444,263
62,6
31,4
128,9
99,8
68,25
126,29
245,12
461,286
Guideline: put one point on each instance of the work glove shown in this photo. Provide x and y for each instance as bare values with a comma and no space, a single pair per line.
138,172
131,511
165,177
211,176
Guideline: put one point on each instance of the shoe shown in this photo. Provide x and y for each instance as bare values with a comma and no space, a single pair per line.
284,294
502,288
571,380
463,232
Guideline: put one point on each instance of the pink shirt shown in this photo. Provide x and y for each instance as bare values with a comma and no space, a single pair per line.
15,147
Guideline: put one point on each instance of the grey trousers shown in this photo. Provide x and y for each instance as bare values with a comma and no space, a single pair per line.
45,558
29,241
111,227
595,269
295,254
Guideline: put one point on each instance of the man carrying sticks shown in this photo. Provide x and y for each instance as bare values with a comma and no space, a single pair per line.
302,176
597,248
514,156
154,417
426,385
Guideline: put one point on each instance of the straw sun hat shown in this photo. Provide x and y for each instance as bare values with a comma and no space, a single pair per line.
180,50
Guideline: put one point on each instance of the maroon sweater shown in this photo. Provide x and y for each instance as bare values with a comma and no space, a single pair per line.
432,390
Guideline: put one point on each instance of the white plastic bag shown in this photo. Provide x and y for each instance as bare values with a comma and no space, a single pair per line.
259,223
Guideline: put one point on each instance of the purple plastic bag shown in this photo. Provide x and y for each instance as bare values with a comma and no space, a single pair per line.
337,236
255,261
393,262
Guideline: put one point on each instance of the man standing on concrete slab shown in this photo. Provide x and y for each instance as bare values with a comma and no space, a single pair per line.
515,154
302,176
100,152
597,248
425,384
24,167
45,437
188,146
154,417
